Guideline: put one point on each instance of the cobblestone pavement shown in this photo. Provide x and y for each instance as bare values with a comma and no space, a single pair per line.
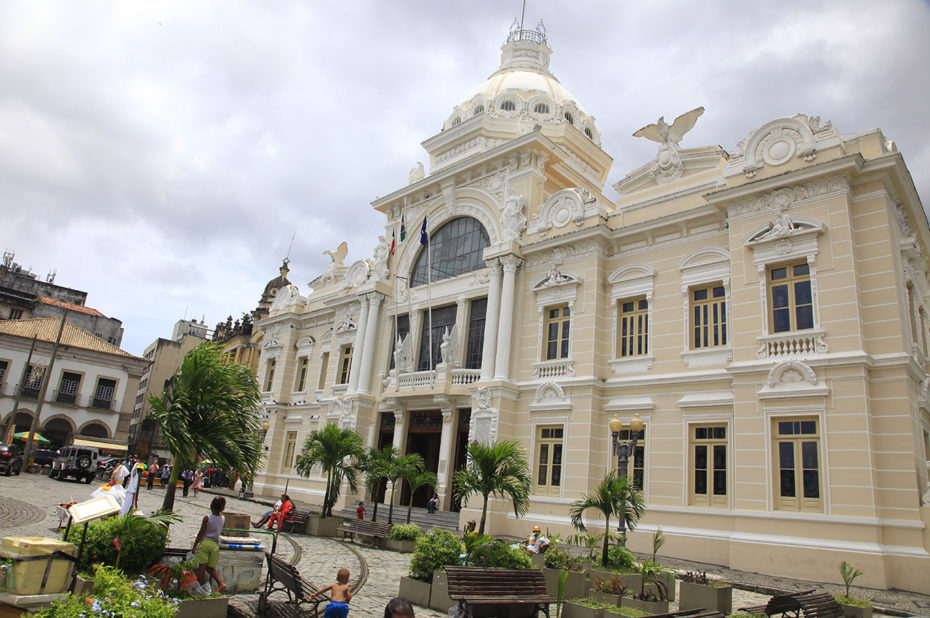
28,508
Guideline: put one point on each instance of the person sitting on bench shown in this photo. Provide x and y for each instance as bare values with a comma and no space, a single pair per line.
281,514
264,518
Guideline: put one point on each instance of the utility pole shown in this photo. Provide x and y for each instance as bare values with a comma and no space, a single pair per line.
27,453
17,390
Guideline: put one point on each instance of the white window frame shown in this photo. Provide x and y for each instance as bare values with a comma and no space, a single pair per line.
555,288
772,416
629,282
699,269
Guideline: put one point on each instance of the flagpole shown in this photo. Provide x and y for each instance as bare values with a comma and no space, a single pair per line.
396,332
429,297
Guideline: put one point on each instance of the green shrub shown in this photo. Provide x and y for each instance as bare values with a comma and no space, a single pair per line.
498,553
611,585
143,542
115,596
557,558
434,550
404,532
620,557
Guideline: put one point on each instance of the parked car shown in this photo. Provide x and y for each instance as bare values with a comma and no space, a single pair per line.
77,461
44,456
11,459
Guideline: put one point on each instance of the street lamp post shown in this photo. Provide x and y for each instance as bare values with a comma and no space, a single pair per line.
623,451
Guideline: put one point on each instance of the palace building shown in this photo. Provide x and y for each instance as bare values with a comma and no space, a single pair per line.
763,312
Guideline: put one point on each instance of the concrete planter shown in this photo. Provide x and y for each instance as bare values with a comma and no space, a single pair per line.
319,526
439,598
83,586
538,560
854,611
605,597
210,607
573,610
695,596
415,591
650,607
576,584
404,547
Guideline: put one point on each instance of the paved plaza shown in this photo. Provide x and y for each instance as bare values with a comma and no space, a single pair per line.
27,508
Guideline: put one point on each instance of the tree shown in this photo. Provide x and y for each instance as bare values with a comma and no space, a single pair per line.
498,469
615,496
376,466
416,480
210,409
400,468
333,448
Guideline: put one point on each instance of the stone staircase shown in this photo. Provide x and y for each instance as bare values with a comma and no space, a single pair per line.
418,516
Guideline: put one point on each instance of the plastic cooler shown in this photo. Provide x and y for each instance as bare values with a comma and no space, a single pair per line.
29,569
241,570
239,521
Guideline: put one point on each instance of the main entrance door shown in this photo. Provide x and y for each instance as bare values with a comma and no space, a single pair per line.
423,436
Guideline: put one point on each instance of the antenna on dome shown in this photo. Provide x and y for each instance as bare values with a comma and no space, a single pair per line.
522,15
289,247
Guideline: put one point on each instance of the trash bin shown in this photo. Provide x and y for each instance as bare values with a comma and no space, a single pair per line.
34,563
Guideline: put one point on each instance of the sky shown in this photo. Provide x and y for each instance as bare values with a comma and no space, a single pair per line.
162,155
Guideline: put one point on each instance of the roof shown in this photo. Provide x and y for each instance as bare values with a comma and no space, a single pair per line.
46,329
45,300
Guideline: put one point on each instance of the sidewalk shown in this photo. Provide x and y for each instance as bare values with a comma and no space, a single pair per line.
885,602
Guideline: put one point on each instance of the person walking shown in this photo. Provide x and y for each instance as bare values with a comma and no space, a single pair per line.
165,475
150,477
198,482
206,546
186,477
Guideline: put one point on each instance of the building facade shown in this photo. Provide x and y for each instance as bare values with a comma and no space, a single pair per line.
763,311
91,386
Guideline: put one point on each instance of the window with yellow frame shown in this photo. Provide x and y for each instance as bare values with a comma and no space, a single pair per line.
633,328
324,366
549,449
301,381
269,373
558,325
791,305
709,465
290,445
797,465
345,364
708,317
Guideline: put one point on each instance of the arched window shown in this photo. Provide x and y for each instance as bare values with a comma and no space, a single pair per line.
589,133
508,106
569,118
479,110
456,121
541,108
456,248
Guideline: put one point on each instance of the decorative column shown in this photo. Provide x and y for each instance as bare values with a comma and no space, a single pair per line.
358,346
489,348
400,435
446,453
368,351
508,289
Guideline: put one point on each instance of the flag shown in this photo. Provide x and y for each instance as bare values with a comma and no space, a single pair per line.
403,228
393,242
424,237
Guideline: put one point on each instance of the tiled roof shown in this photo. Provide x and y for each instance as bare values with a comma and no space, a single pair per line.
47,330
45,300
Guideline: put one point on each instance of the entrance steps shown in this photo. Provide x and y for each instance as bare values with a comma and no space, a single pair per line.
419,516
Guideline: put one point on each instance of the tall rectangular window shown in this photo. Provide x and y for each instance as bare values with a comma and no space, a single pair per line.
32,381
636,465
476,320
634,328
301,383
797,458
68,389
16,314
345,363
4,365
443,318
792,304
324,366
269,373
558,323
402,330
290,445
103,396
708,317
548,477
709,465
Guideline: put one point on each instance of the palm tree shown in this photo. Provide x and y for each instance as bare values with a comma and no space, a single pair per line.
416,480
615,496
210,409
377,467
333,448
498,469
400,468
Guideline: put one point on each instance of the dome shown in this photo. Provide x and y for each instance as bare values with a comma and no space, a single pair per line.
276,284
523,88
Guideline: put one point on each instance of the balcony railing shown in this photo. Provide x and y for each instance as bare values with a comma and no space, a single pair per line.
339,389
66,397
416,379
101,404
561,368
464,377
29,392
785,345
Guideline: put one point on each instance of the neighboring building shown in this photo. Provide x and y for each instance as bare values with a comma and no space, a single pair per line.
165,356
91,388
24,296
764,312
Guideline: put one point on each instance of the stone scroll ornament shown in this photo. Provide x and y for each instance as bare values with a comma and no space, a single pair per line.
667,165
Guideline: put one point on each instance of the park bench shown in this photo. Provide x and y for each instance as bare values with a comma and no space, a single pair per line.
690,613
284,577
782,604
296,521
374,530
478,586
820,605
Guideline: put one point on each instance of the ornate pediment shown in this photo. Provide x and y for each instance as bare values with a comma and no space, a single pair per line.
792,378
357,274
555,278
784,226
781,140
563,207
287,297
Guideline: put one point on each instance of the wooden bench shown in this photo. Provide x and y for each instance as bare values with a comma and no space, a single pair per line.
296,521
284,577
374,530
477,586
820,605
783,604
